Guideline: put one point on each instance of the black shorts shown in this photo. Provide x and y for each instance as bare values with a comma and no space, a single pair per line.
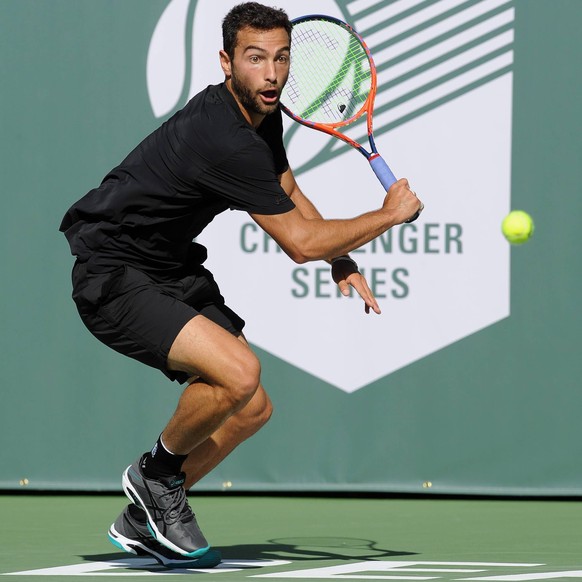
139,317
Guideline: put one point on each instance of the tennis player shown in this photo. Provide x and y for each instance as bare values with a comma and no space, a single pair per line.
141,288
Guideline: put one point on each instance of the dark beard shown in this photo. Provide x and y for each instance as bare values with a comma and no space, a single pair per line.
250,103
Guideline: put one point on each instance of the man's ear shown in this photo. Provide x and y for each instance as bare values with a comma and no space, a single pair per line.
225,64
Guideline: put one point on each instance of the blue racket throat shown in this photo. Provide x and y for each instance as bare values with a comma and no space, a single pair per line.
382,171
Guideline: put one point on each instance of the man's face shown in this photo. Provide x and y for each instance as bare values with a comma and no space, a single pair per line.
259,70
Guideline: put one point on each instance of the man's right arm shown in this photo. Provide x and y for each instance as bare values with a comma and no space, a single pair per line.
311,239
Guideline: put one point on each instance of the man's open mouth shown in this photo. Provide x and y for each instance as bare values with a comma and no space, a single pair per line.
270,96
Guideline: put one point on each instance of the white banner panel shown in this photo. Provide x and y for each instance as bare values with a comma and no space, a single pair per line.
443,120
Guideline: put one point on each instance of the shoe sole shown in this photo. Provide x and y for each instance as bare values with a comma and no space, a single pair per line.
133,495
209,560
125,544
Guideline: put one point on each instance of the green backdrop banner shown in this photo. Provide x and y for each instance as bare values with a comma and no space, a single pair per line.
490,408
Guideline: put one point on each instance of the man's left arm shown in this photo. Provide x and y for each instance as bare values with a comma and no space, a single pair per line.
344,270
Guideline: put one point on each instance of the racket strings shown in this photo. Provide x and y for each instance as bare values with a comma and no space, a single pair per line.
330,77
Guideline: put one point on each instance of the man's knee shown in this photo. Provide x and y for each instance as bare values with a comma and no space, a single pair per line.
246,380
264,414
253,416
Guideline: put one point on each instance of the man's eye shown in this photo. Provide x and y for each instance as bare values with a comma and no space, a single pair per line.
283,59
254,59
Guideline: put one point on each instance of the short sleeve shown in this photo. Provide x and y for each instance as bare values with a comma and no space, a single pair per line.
248,180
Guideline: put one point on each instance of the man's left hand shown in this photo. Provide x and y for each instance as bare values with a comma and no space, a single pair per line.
345,274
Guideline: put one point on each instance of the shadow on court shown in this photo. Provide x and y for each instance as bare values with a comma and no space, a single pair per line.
300,549
312,548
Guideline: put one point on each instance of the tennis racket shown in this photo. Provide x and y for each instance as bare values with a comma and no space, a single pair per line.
332,83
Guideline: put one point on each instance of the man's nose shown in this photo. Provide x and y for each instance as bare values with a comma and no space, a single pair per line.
271,72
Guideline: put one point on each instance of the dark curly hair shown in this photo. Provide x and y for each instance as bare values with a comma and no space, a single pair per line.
253,15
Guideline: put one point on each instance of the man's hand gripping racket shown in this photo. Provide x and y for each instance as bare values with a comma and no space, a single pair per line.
332,82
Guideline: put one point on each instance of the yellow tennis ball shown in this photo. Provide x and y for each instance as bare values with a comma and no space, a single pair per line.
517,227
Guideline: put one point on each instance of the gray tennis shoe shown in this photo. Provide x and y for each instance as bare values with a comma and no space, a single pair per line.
131,534
169,516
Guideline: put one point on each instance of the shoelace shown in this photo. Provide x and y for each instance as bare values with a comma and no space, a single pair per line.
178,507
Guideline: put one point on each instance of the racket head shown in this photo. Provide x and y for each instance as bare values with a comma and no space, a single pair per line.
332,78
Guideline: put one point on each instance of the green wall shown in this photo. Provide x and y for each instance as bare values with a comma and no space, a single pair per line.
496,413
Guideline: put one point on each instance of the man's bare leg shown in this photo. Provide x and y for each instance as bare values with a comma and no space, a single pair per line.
229,375
236,429
239,427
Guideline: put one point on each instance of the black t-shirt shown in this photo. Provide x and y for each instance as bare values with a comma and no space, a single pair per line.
205,159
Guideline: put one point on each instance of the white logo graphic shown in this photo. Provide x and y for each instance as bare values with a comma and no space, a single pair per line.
368,570
145,567
443,120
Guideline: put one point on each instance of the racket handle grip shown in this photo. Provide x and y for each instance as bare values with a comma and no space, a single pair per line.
382,171
386,177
